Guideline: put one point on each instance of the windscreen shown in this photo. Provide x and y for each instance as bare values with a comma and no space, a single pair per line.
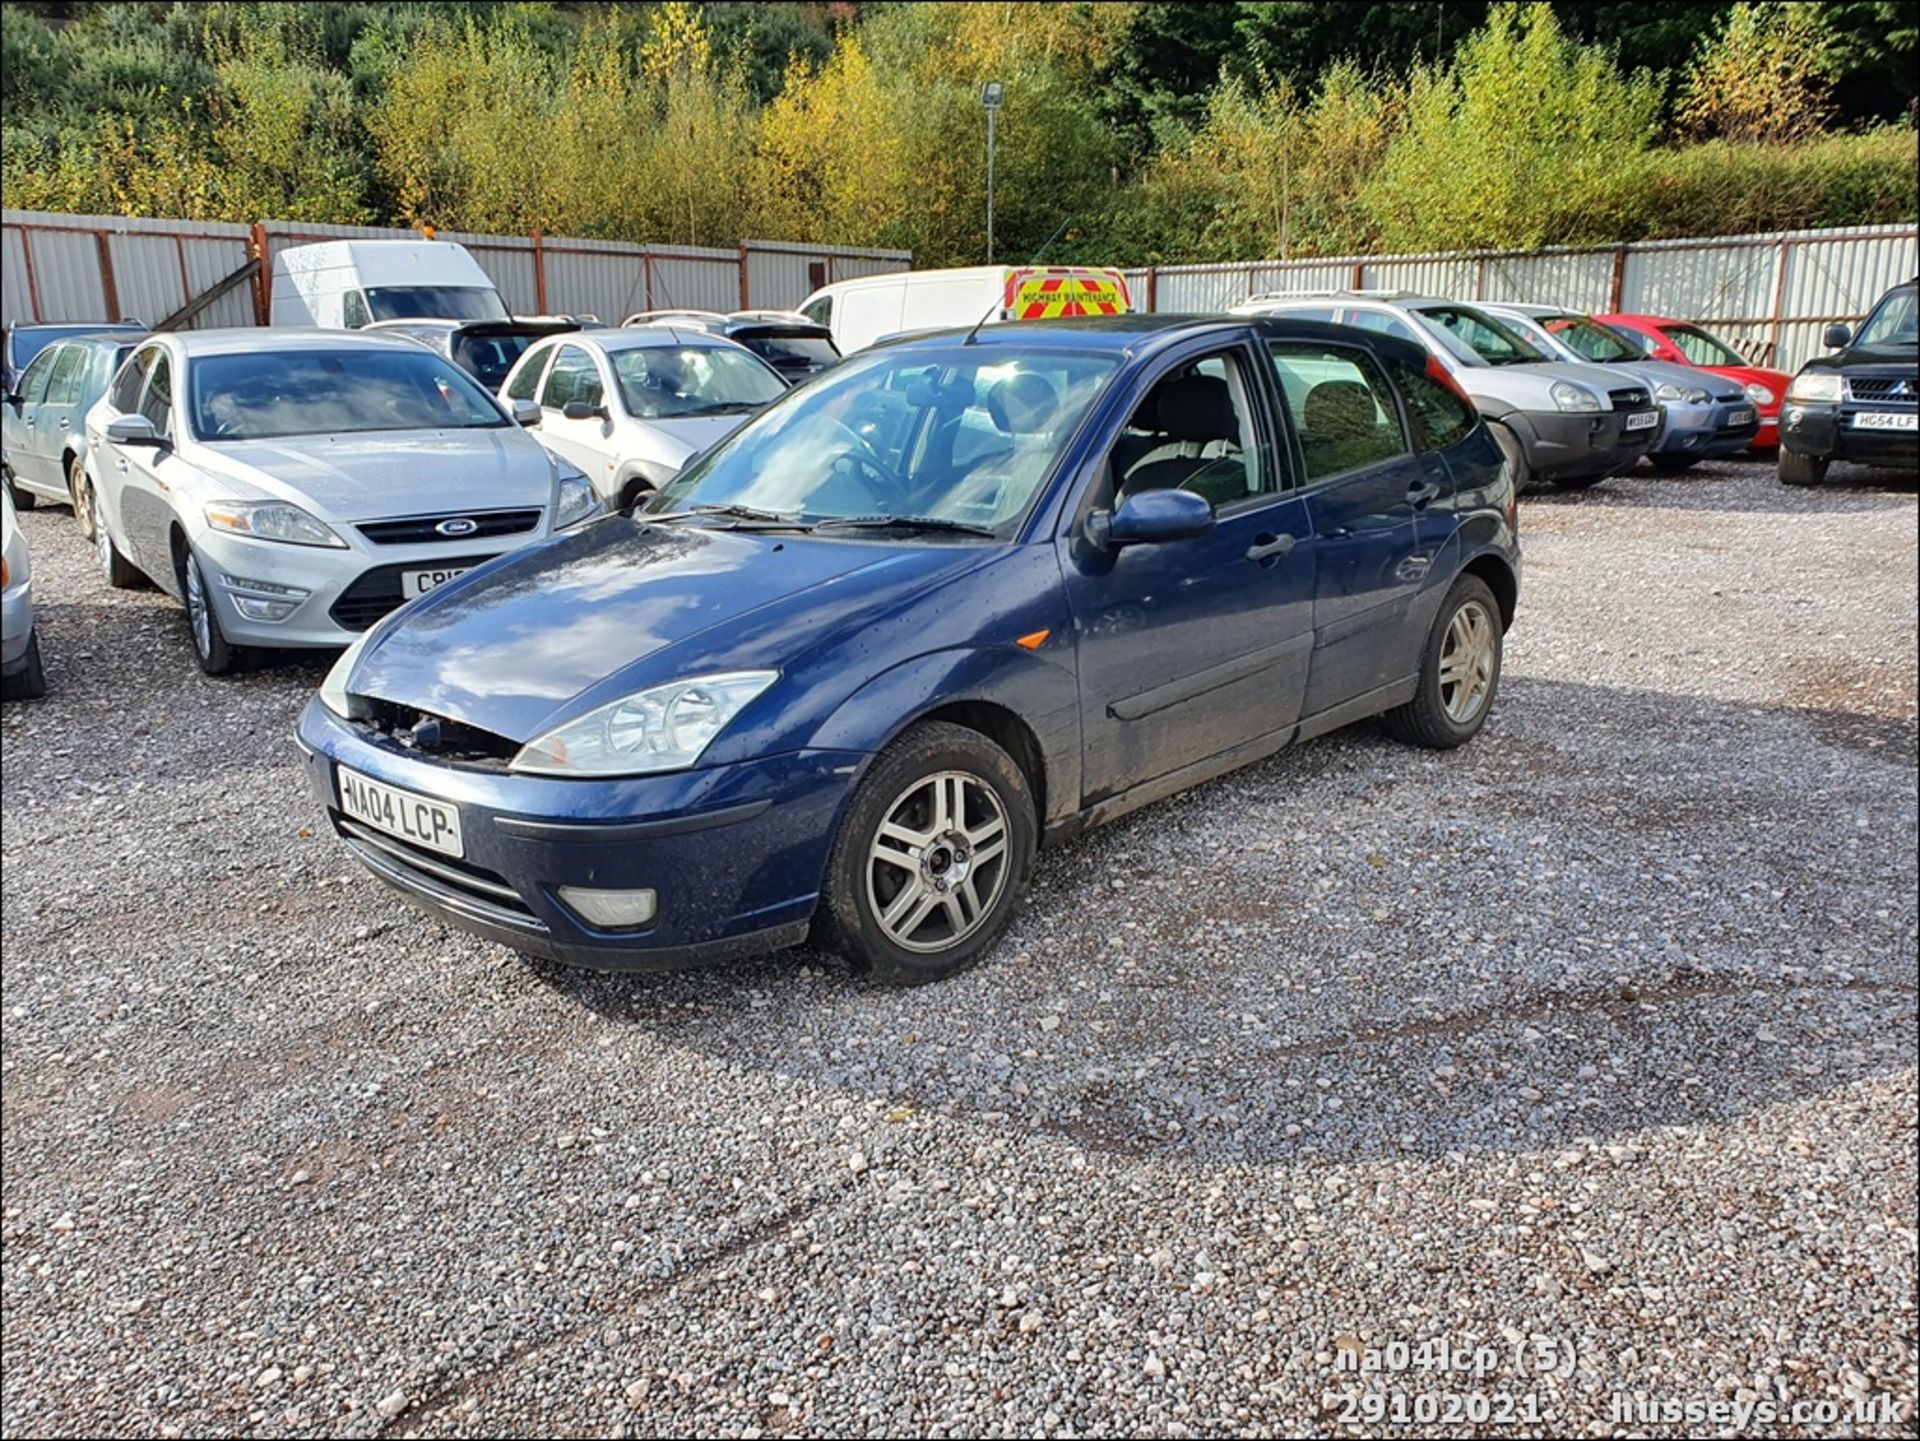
488,358
963,435
1476,337
660,382
318,392
436,302
1892,322
1589,339
800,351
1702,348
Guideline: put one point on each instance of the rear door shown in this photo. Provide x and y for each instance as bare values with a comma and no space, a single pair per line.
60,415
1365,490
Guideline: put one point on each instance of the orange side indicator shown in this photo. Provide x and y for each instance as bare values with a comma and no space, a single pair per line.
1034,640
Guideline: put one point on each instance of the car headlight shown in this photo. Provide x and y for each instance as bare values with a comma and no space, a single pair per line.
664,728
1815,385
1678,394
1569,396
1759,394
333,690
270,520
573,499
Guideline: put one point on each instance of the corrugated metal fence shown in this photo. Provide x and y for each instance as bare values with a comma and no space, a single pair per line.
103,267
1770,295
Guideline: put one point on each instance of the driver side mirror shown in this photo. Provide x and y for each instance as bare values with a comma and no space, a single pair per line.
581,410
1838,337
15,399
526,412
132,430
1153,517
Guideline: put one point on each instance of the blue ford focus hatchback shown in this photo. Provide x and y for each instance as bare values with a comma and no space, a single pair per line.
962,596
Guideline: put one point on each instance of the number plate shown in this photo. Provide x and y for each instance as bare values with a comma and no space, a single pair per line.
1738,417
429,823
419,582
1884,420
1643,420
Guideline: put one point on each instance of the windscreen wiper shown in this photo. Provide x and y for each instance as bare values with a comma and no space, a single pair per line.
729,512
904,522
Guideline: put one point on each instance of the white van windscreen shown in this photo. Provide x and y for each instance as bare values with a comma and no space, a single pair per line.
436,302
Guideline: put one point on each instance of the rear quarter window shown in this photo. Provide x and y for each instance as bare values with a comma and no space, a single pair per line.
1435,415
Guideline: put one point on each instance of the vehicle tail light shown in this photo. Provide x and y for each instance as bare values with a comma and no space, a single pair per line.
6,573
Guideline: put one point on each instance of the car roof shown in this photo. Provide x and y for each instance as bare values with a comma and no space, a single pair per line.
256,340
653,336
19,326
1141,334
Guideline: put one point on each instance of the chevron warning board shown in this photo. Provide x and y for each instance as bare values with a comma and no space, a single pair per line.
1048,294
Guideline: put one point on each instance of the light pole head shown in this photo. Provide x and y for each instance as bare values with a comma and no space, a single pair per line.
990,95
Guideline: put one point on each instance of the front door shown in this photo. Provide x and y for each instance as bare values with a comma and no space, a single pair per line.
1192,648
1367,493
27,439
146,486
587,443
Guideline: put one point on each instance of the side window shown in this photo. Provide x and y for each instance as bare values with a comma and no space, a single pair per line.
1341,406
157,403
33,385
573,377
64,387
1195,430
1321,313
1436,415
125,394
355,310
1382,323
526,384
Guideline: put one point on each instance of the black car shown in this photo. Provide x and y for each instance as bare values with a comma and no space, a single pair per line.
1861,403
789,342
26,341
485,349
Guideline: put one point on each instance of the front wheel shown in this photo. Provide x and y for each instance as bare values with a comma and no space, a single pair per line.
1796,469
1459,671
210,645
932,857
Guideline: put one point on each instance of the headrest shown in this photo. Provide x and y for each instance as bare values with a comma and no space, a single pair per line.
1198,408
1023,404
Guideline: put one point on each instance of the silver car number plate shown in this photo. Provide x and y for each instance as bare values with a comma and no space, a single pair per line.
1885,420
419,582
1738,417
424,822
1643,420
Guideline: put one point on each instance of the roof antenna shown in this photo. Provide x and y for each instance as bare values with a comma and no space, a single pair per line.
1057,231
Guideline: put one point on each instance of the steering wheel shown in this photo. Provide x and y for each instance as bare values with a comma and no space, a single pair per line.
866,468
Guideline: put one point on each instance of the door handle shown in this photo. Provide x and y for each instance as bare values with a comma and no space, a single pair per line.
65,424
1420,492
119,465
1269,547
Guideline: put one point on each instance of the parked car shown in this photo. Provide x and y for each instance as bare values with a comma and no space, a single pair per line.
633,405
1572,424
345,284
21,677
955,597
786,340
42,423
1678,342
1859,403
485,349
292,487
872,307
1705,414
23,342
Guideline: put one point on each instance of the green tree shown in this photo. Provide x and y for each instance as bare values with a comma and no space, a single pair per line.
1765,73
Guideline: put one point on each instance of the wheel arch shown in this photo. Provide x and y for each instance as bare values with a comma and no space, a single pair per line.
1501,580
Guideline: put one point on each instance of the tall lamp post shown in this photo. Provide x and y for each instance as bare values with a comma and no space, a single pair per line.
990,98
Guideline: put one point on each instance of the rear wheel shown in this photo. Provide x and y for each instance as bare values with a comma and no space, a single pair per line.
1796,469
210,646
1459,671
80,492
1516,455
932,857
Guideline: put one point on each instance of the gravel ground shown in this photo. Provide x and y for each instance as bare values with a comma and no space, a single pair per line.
1597,1035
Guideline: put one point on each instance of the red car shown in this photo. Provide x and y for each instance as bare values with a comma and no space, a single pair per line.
1684,343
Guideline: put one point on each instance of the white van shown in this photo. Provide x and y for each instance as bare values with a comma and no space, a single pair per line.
861,311
345,284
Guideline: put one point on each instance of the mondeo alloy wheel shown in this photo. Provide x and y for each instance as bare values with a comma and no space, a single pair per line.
938,863
199,612
1467,660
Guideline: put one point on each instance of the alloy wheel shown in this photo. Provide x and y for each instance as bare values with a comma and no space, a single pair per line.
1466,662
82,491
938,863
197,607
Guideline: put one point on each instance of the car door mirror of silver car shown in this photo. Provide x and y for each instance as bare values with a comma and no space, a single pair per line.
132,430
1838,337
1152,517
581,410
526,412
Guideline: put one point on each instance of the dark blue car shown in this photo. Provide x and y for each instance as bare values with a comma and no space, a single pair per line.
959,597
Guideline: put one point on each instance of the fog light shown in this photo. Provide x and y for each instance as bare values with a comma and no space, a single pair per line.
263,599
609,910
254,608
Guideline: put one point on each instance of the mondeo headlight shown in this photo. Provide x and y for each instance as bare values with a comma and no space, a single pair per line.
573,498
663,728
270,520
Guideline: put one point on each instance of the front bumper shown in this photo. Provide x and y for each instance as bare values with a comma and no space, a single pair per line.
736,854
1829,432
1567,444
16,625
1704,430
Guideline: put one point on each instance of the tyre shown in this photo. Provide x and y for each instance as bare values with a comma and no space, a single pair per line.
30,681
1796,469
210,646
80,492
1516,455
1459,671
23,499
931,859
1673,464
634,493
120,573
